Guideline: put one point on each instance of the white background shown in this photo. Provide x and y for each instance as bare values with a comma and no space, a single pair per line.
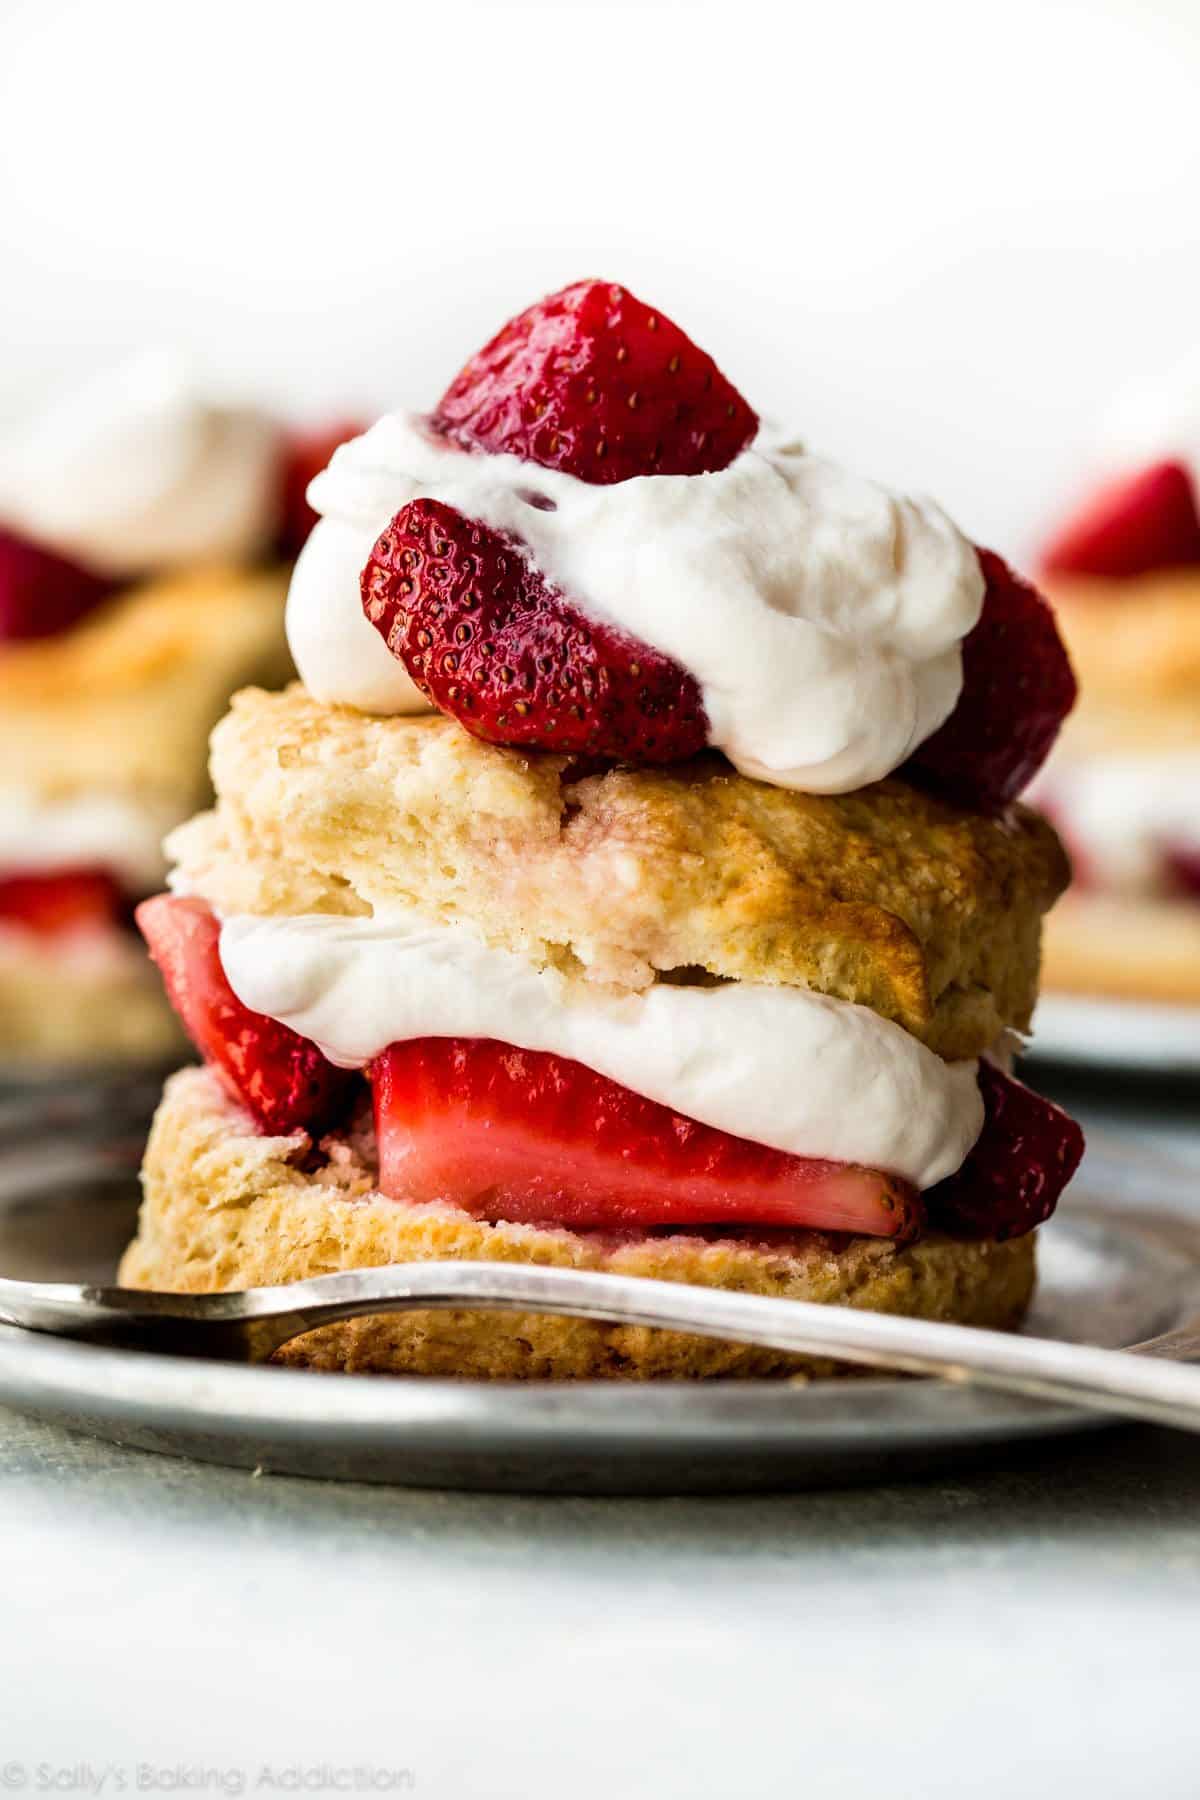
931,236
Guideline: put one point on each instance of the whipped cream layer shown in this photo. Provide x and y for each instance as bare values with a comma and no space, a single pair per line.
820,614
1121,812
784,1067
110,831
141,469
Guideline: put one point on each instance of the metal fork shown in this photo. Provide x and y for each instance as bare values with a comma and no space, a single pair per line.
1148,1381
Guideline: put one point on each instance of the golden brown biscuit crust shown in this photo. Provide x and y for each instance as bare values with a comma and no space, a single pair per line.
224,1209
929,915
125,701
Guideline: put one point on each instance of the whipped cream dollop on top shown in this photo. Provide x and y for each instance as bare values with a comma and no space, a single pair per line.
142,469
93,829
784,1067
820,614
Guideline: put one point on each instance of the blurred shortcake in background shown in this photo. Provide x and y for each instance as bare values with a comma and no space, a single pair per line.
146,531
1123,787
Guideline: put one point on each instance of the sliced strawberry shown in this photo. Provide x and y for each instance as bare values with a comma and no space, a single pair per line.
1028,1151
1018,687
495,645
41,593
1137,523
305,454
66,900
595,383
280,1077
514,1134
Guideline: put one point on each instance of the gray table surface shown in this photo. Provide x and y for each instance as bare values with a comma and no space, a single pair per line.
1033,1629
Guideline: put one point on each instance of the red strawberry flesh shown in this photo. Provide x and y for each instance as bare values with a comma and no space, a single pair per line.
595,383
305,454
64,900
281,1078
1138,523
1018,687
490,641
535,1138
1026,1154
41,593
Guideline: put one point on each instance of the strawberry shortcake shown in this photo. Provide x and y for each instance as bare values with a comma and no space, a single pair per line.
1124,784
145,536
635,882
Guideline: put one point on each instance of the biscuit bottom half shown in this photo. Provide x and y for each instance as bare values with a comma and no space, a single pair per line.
226,1208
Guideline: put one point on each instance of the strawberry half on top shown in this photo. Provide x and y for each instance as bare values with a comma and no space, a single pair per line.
490,641
595,383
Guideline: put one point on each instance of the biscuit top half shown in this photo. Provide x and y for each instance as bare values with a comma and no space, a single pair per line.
929,915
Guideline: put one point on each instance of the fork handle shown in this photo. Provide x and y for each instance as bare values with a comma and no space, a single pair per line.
1145,1383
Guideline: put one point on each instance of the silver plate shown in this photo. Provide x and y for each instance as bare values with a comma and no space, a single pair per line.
1112,1272
1092,1033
